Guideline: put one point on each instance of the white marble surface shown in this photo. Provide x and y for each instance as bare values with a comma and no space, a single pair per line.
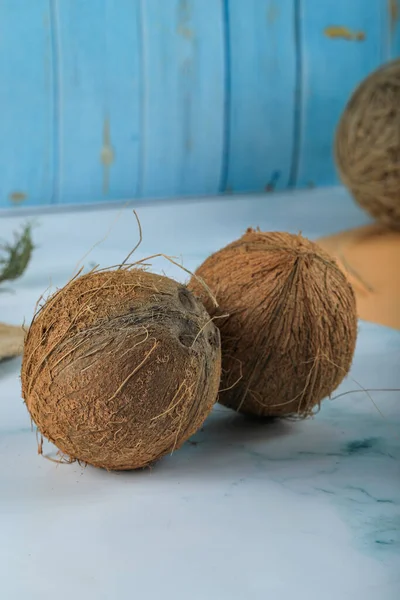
243,511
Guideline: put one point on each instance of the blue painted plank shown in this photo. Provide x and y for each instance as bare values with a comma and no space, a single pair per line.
184,94
100,99
262,94
331,68
26,105
393,17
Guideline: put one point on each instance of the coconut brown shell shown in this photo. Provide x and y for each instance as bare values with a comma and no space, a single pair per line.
367,144
290,335
120,368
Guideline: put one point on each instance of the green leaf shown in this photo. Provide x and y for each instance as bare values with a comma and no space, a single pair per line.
14,257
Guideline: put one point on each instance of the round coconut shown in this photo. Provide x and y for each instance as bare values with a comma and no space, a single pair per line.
289,337
367,144
120,368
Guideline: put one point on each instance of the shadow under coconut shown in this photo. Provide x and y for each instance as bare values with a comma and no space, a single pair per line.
230,444
225,440
223,437
225,426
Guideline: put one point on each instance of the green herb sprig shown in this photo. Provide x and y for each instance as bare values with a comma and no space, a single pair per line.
15,257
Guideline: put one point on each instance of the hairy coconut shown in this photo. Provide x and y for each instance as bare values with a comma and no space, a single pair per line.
120,367
290,335
367,144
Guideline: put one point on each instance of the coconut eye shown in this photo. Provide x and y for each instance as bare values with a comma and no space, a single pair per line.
186,299
186,340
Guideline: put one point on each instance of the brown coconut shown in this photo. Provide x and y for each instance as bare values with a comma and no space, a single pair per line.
367,145
290,335
120,368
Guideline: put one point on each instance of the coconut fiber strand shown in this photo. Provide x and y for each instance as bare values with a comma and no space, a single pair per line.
11,341
290,335
120,367
367,146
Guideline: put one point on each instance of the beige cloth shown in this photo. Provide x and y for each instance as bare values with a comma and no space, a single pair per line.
370,257
11,341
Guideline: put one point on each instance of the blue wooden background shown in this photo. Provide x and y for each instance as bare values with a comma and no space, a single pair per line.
118,99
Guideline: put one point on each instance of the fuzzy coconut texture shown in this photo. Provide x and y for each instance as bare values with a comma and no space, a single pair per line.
290,336
120,368
367,144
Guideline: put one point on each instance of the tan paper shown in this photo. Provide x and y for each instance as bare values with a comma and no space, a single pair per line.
11,341
370,257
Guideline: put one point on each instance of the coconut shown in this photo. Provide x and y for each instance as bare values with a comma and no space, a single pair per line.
120,367
367,144
290,333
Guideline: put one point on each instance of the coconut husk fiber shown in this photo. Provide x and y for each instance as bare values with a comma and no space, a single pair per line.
120,367
367,144
289,339
370,258
11,341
